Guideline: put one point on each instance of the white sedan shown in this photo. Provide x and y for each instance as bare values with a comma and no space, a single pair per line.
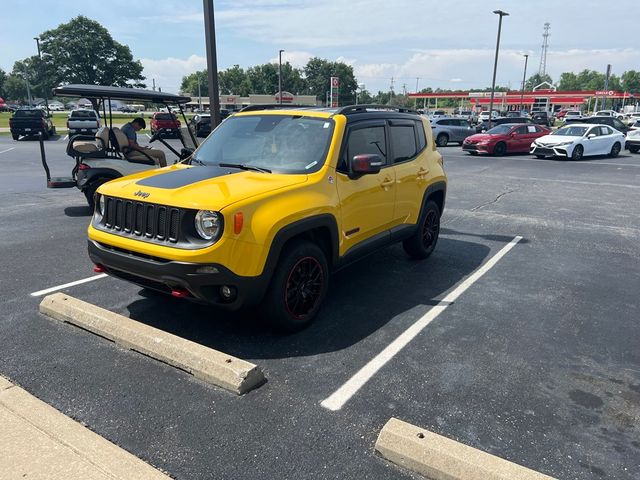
578,140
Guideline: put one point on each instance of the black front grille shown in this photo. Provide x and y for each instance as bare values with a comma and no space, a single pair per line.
154,222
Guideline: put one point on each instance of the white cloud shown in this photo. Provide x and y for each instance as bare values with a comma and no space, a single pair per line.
297,59
168,72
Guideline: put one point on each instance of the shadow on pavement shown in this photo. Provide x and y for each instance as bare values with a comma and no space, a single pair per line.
83,211
386,287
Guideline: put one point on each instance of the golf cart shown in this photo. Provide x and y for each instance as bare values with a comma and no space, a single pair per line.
107,155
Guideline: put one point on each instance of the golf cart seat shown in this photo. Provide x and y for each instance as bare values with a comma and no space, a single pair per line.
86,146
131,155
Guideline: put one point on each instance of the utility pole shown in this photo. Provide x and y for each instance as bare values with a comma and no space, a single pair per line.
280,76
404,89
212,62
495,63
154,84
524,76
391,90
46,100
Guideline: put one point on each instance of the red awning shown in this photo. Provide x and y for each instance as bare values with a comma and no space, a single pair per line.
508,101
567,100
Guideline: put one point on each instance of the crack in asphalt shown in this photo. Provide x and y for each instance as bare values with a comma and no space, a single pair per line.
478,207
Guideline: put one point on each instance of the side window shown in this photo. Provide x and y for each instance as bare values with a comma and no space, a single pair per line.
365,140
422,138
522,130
403,142
605,131
464,123
594,131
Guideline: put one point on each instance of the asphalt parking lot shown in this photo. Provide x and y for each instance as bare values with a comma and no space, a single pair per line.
536,362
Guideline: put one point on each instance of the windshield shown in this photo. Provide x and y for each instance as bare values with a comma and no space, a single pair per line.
499,130
28,113
280,143
83,114
165,116
571,131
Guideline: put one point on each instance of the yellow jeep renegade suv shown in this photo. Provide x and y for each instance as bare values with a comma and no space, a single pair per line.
271,203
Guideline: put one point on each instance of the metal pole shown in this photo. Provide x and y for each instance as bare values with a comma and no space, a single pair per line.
524,76
26,79
495,63
212,62
280,76
199,96
46,100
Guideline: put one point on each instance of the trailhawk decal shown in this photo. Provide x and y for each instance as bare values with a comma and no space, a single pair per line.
184,177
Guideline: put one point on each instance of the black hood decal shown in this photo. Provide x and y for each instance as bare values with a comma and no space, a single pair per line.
184,177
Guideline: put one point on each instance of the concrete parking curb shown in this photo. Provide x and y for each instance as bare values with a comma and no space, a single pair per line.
440,458
39,442
202,362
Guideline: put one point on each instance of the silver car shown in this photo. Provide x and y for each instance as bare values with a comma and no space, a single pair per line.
447,130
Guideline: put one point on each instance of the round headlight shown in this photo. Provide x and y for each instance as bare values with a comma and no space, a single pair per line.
208,224
100,208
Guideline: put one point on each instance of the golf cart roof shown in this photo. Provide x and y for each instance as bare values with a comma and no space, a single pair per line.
118,93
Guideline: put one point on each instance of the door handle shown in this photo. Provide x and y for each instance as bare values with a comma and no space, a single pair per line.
423,172
387,182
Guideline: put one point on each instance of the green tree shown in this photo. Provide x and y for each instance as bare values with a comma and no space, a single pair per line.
631,81
15,87
83,51
569,81
189,85
3,79
234,81
591,80
318,73
536,79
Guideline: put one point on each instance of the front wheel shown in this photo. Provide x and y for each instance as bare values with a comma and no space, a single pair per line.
615,150
634,149
17,137
500,149
424,240
298,287
577,153
442,140
540,156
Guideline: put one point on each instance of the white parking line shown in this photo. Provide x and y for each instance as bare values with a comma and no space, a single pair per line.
148,136
65,137
67,285
341,396
8,150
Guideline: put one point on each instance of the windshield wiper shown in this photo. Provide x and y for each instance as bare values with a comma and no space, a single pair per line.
244,166
198,162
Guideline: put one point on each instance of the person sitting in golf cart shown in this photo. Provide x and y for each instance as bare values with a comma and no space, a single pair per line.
130,129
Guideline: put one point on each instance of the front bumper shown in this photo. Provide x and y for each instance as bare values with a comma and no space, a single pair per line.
200,282
549,151
476,147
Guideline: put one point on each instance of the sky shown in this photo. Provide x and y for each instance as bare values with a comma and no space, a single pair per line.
439,44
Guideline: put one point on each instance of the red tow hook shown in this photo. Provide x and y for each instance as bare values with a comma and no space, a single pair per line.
99,268
179,293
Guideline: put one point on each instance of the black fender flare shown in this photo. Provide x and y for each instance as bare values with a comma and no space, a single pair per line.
436,187
95,174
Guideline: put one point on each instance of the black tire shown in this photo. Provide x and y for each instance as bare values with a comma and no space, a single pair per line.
52,132
615,150
442,140
500,149
17,137
634,149
45,135
422,243
298,286
90,192
577,153
540,156
472,153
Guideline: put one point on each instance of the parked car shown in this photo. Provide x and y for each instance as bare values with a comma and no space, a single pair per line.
83,121
56,107
165,121
30,121
505,138
542,118
484,126
572,115
632,142
128,109
560,114
201,123
447,130
579,140
251,219
611,121
607,113
484,116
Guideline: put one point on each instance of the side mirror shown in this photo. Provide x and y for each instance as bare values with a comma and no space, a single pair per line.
591,135
365,164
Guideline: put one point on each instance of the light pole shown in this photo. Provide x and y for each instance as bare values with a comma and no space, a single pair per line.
46,100
524,76
495,63
212,62
280,76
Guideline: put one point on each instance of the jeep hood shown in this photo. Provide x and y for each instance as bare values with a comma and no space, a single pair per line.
197,187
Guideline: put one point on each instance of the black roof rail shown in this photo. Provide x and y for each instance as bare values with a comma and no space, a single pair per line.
366,107
273,106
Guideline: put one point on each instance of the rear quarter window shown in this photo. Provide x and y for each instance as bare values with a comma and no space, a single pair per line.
422,138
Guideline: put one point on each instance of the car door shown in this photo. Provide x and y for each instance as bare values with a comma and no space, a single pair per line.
366,202
609,137
594,144
409,159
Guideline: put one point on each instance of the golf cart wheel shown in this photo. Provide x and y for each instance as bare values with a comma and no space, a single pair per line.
424,240
298,286
615,150
577,153
90,192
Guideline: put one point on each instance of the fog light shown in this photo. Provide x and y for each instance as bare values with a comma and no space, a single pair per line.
226,292
207,269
